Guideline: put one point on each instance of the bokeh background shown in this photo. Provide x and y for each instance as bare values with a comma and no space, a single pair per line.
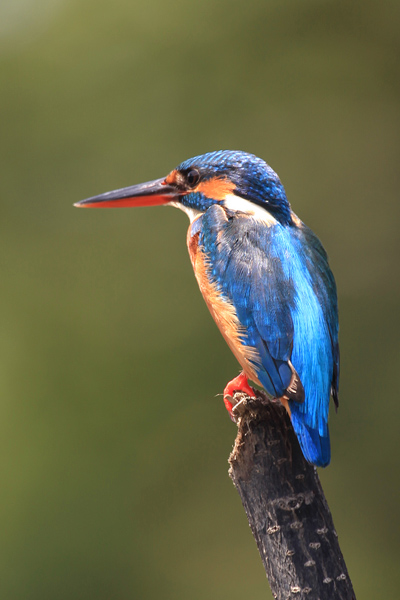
114,443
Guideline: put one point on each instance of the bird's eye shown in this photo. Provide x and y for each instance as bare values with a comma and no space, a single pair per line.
192,177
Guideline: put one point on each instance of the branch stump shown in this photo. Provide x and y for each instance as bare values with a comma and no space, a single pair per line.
285,505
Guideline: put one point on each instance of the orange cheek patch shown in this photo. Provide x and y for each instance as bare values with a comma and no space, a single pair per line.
172,177
217,188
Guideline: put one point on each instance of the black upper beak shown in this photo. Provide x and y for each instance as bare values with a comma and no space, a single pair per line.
150,193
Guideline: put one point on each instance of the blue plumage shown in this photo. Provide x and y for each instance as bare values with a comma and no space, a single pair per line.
254,180
278,279
265,278
279,282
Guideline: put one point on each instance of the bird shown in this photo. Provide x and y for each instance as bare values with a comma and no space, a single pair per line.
265,278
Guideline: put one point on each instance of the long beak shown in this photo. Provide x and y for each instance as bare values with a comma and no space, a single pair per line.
150,193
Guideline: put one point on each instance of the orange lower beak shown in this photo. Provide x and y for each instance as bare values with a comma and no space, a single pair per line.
150,193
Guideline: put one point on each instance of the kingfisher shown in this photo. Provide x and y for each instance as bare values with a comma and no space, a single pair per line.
265,278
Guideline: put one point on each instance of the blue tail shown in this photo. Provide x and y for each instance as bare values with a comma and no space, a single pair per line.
316,447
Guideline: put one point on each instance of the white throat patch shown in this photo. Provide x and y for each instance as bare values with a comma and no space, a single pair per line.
192,213
237,204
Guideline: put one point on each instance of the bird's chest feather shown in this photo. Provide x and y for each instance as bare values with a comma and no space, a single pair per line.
241,258
222,310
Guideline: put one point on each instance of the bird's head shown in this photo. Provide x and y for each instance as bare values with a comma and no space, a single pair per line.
226,177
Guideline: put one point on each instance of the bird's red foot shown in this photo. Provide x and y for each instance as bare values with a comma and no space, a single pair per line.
238,384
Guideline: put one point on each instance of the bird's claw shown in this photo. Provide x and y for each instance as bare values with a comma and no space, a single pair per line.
238,384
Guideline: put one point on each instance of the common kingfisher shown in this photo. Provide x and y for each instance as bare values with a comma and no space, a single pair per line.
265,278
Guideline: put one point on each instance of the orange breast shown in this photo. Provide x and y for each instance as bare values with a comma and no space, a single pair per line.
222,311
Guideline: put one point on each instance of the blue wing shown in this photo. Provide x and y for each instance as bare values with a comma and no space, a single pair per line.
278,279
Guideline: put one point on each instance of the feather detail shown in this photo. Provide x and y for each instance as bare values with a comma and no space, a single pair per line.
295,389
222,311
271,292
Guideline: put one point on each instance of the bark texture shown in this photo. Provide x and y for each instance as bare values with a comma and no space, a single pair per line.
285,506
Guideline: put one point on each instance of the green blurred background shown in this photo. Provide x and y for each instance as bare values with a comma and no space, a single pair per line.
114,445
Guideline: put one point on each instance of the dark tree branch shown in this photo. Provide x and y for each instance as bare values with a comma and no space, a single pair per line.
285,505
